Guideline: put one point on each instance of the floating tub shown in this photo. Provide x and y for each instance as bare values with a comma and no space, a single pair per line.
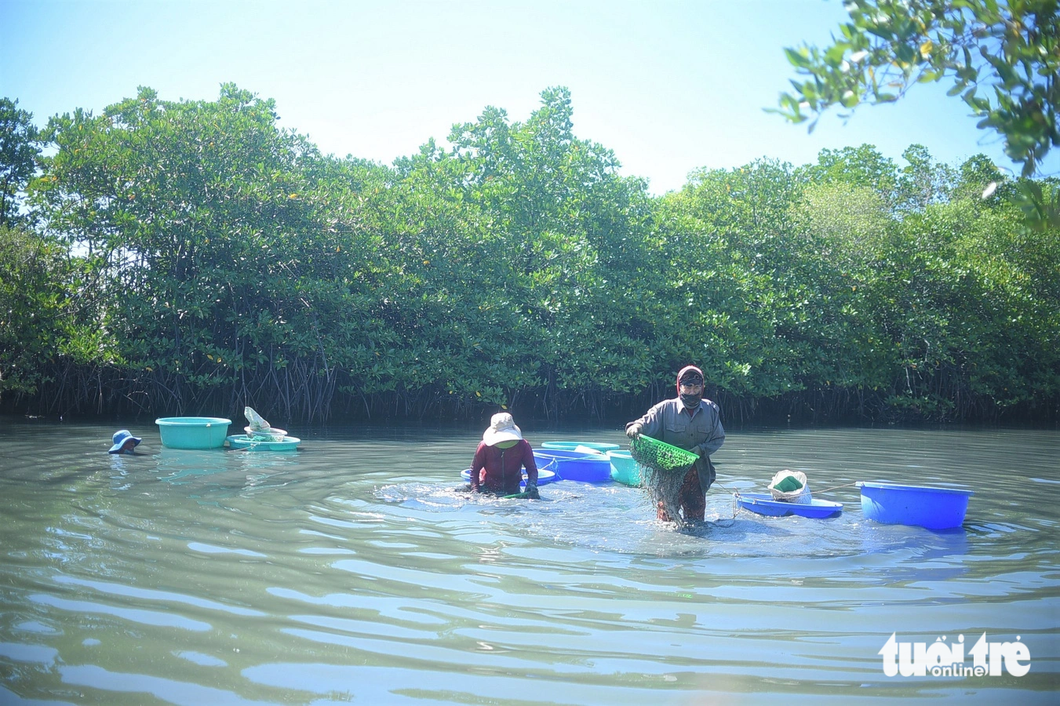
922,506
764,504
624,469
573,445
575,465
543,477
270,434
193,432
242,441
550,458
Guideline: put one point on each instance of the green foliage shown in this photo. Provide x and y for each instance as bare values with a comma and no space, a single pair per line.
853,283
559,241
45,325
1003,57
198,259
19,148
29,296
728,260
215,240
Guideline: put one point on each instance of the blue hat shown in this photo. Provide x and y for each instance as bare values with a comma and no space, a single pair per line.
120,437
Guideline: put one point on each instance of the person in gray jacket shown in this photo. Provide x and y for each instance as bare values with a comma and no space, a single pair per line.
692,423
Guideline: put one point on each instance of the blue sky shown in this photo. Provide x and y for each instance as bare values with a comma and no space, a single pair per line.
669,86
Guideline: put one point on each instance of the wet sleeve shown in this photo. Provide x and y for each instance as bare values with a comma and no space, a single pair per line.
477,464
651,423
530,463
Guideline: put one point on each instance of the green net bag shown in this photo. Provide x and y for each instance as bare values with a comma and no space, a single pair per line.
660,456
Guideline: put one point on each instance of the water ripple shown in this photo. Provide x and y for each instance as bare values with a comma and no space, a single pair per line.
355,571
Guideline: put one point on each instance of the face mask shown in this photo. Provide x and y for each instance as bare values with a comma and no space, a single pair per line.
691,399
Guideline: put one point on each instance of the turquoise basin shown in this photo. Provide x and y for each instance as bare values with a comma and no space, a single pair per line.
193,432
624,469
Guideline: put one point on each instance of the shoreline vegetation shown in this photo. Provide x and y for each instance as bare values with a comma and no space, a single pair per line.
187,257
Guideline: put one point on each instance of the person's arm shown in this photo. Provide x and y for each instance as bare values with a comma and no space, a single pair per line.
530,463
715,437
650,424
477,464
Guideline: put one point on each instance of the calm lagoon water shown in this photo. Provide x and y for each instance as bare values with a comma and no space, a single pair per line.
350,571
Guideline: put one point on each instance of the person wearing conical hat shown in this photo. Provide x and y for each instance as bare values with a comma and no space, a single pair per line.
693,423
500,458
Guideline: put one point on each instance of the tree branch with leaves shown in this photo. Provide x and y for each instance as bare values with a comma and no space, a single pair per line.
1003,57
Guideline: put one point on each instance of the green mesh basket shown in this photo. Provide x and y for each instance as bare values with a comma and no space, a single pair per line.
659,455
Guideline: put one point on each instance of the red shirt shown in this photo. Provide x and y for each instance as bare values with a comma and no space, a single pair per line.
501,470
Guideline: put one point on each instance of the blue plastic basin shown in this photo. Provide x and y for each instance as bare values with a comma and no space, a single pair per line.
193,432
575,465
933,508
550,458
764,504
543,477
571,445
624,469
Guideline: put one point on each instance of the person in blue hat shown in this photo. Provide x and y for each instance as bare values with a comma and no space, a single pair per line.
124,442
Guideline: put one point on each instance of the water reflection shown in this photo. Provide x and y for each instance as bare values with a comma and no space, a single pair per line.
175,465
219,472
